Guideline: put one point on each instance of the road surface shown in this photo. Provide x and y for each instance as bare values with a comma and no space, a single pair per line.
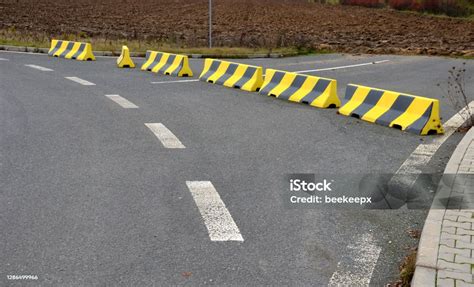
102,174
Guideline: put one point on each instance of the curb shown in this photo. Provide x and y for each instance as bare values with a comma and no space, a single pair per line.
24,49
427,256
142,55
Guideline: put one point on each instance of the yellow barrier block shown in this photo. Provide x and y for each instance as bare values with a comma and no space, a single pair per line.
125,61
314,91
410,113
233,75
168,64
71,50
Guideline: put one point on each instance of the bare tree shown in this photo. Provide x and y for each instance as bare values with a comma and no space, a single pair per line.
457,94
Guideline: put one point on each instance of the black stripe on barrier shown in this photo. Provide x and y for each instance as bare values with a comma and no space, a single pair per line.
168,63
246,77
298,81
68,49
155,62
228,73
147,55
56,48
79,51
318,89
369,102
176,71
399,107
274,81
212,69
420,123
350,91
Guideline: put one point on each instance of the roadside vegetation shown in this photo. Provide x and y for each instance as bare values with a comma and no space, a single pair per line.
407,269
40,40
454,8
242,27
455,90
408,264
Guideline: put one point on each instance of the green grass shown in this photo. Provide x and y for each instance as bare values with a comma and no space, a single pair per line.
466,58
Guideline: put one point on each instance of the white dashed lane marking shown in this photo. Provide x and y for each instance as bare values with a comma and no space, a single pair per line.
219,223
410,170
358,266
178,81
355,270
167,138
124,103
80,81
44,69
3,59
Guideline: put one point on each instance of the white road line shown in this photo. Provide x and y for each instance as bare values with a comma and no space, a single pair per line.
409,171
124,103
179,81
218,221
359,263
343,67
304,71
302,63
80,81
3,59
167,138
350,274
39,68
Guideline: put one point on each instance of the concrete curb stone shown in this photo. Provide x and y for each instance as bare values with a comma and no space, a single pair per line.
430,250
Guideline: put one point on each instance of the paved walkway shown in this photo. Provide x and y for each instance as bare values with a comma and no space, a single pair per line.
446,251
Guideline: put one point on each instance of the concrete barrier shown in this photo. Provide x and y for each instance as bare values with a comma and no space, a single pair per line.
71,50
406,112
314,91
125,61
234,75
168,64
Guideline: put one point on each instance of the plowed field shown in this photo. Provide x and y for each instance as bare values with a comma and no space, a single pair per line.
245,23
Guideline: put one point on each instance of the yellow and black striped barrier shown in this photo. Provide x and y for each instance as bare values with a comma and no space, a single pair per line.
233,75
314,91
410,113
125,61
71,50
168,64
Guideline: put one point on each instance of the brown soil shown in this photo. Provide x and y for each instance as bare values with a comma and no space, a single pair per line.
245,23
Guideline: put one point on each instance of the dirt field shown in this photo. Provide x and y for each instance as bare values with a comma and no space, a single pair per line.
245,23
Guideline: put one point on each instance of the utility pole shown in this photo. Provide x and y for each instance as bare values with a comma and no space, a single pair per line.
210,23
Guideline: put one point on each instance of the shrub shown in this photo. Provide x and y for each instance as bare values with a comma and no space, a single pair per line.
448,7
457,94
400,4
365,3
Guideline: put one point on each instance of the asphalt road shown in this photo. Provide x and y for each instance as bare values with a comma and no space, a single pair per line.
90,197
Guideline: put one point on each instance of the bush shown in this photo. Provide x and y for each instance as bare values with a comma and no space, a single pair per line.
448,7
400,4
365,3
